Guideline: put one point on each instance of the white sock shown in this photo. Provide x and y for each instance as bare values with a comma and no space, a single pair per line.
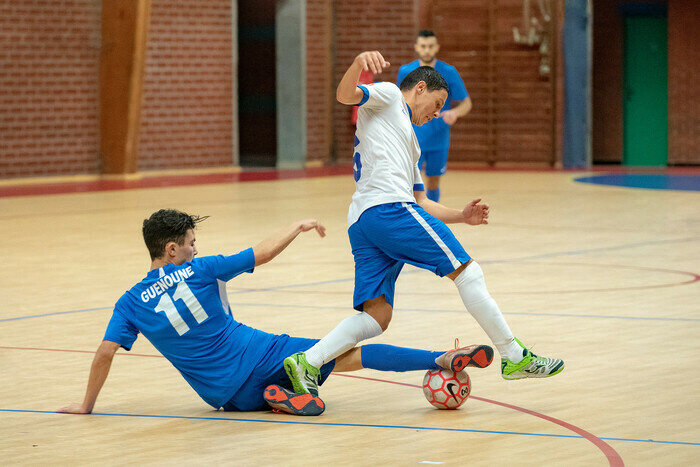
344,337
472,289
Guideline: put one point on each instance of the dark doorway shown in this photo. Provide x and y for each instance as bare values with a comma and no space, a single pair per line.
256,83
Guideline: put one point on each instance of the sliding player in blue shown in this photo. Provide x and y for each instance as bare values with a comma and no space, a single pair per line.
181,307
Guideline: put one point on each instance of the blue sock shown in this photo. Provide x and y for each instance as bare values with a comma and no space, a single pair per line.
391,358
433,195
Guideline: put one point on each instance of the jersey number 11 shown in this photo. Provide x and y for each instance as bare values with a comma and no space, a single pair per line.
167,306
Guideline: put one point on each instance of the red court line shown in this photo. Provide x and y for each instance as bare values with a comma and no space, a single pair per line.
169,181
693,278
77,351
601,169
53,188
613,457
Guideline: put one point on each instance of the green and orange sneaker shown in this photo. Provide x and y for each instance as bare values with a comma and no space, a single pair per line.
531,366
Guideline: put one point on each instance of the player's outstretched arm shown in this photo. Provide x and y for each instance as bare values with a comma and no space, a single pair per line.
473,214
275,244
347,92
98,374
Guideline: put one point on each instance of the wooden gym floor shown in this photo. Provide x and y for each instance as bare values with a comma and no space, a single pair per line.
605,277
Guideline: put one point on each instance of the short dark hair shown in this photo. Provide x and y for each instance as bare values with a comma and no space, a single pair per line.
165,226
426,33
433,79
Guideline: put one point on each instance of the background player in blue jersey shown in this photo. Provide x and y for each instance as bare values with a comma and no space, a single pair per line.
391,222
182,309
434,136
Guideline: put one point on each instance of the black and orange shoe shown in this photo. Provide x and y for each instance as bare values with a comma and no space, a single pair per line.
284,400
479,356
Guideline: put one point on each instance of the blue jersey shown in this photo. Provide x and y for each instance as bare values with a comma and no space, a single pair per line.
435,134
184,313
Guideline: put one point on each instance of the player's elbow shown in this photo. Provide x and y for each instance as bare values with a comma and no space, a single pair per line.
468,106
348,96
342,98
420,197
262,256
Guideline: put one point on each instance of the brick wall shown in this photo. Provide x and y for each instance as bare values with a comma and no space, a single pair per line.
511,120
49,87
320,93
385,25
513,109
462,31
49,78
186,118
683,70
513,99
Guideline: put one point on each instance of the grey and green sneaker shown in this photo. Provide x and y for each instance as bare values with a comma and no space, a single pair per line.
531,366
304,376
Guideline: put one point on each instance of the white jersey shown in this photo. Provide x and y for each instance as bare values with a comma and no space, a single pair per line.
386,151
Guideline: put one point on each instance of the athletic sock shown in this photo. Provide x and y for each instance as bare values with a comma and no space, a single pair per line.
344,337
433,195
475,296
391,358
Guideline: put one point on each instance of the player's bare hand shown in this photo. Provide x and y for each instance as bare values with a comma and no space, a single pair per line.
309,224
475,213
372,61
73,408
449,116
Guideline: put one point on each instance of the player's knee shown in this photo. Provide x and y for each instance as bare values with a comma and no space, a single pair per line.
457,272
380,310
471,285
384,322
383,318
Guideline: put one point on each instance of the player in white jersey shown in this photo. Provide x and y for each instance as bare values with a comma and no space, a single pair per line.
392,222
384,167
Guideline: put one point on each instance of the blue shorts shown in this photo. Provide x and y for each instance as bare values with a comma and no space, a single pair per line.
435,162
387,236
269,371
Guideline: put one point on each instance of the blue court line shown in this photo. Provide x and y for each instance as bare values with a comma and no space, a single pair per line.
56,313
594,250
678,182
497,261
419,310
358,425
423,310
351,279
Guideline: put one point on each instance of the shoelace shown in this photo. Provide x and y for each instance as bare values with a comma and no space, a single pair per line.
531,352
